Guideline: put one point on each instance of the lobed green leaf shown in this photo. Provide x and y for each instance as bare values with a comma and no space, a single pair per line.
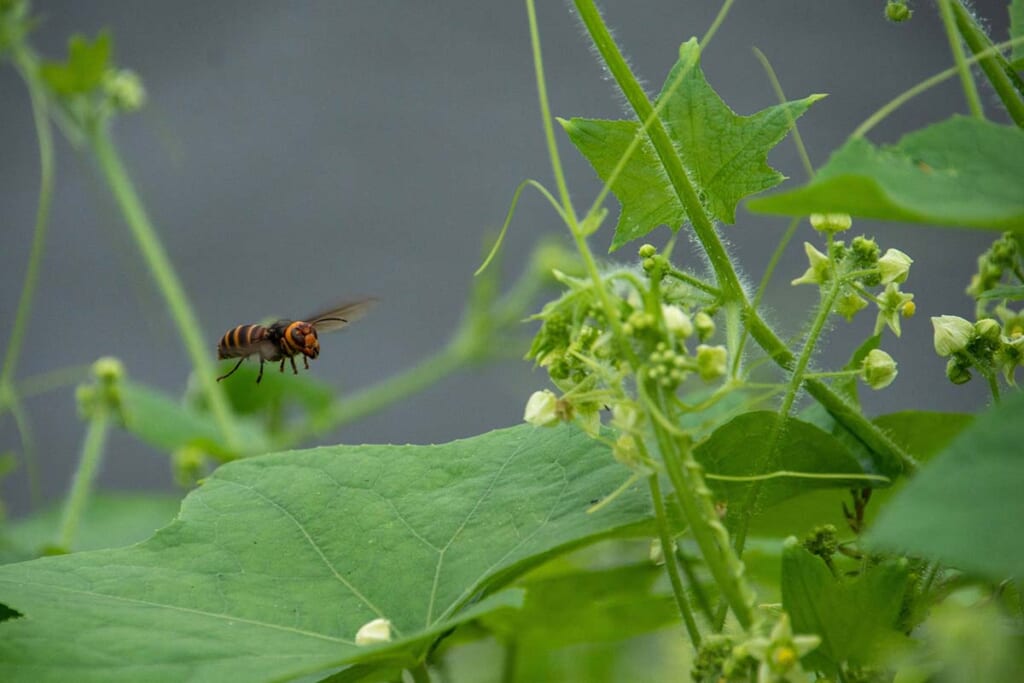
725,154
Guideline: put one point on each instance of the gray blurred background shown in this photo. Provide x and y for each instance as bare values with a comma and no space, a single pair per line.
292,154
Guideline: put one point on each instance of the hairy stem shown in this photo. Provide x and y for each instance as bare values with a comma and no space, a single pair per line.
966,80
671,567
1005,81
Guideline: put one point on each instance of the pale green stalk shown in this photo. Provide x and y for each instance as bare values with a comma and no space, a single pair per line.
77,501
199,349
955,46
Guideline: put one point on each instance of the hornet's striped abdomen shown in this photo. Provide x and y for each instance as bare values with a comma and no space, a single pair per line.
241,341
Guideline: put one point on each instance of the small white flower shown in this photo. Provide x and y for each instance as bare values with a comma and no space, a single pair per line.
878,369
374,632
894,266
541,409
676,320
820,267
952,334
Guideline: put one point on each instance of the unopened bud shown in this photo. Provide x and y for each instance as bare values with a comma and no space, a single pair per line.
894,266
712,361
647,251
878,369
705,325
374,632
956,373
951,334
676,321
988,329
541,409
831,222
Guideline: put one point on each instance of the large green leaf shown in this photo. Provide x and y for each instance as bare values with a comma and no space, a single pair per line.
276,561
963,172
966,507
110,520
725,154
740,448
852,616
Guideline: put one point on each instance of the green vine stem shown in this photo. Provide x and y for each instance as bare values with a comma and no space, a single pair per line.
966,80
893,458
1005,81
25,66
684,473
166,279
85,476
671,566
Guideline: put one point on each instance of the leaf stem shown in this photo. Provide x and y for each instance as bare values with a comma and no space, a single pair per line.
166,279
671,568
1004,79
420,673
910,93
25,64
85,476
966,79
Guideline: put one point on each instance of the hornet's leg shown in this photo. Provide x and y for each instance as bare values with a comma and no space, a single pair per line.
305,361
295,370
232,369
281,369
260,376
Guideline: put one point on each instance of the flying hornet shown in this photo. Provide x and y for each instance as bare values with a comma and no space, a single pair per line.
285,339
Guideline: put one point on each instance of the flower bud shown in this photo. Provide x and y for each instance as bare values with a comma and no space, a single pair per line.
705,325
988,329
878,369
957,373
712,361
541,409
894,266
125,89
374,632
952,334
831,222
676,321
897,11
647,251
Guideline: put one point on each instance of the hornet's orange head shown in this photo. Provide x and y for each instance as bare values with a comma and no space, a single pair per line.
302,337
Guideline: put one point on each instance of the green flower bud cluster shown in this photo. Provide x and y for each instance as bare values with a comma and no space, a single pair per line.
985,345
661,335
104,394
859,265
1003,257
897,11
823,541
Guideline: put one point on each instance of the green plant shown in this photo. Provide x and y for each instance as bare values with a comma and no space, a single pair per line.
677,436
